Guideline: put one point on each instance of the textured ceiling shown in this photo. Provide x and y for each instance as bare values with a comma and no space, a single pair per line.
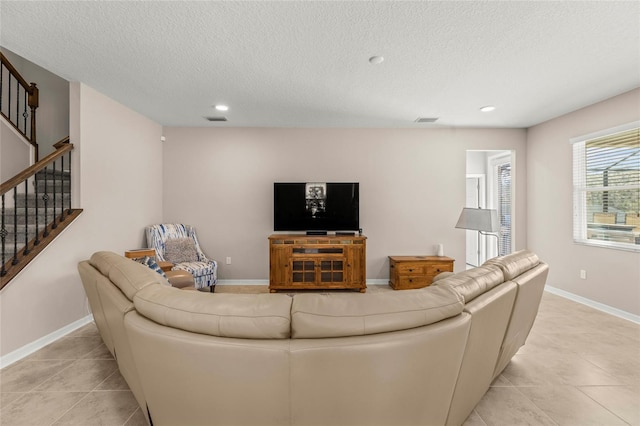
305,63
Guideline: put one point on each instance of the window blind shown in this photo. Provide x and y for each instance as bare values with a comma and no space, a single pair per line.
606,188
504,207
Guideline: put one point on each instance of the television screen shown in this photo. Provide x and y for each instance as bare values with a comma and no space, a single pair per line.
316,206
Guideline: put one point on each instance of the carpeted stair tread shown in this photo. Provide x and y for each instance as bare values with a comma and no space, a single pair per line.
29,215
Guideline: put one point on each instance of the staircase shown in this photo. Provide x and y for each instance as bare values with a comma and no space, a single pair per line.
35,205
30,212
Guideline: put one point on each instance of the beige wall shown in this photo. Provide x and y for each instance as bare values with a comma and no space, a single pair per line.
613,276
412,186
15,152
120,156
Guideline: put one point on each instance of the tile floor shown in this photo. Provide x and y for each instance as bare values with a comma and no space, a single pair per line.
579,367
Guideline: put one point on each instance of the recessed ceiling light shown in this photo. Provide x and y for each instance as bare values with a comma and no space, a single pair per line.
375,60
222,107
487,108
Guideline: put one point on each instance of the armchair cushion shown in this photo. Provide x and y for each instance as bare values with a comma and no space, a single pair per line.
179,250
196,268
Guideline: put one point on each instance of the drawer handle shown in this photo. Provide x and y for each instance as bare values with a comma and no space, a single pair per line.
410,280
438,270
410,270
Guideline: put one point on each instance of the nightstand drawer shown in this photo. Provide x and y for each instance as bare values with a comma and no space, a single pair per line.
411,268
406,282
436,268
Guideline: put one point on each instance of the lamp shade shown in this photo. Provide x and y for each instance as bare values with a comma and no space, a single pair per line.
479,220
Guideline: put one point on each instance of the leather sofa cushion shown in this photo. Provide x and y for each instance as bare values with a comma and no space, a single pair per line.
354,314
247,316
473,282
129,276
515,263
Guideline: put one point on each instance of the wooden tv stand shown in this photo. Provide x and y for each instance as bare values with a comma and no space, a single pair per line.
303,262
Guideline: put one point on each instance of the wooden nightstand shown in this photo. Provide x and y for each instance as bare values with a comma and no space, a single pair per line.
407,272
138,253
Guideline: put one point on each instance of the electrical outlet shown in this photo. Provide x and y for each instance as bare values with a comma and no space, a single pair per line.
583,274
228,260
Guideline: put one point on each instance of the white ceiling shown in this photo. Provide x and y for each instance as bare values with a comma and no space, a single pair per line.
305,63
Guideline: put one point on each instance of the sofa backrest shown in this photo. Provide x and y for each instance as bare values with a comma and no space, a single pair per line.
490,313
515,263
110,305
473,282
525,309
181,334
197,379
127,275
354,314
115,307
403,377
89,277
247,316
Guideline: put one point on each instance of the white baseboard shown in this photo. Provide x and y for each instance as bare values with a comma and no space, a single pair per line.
592,304
30,348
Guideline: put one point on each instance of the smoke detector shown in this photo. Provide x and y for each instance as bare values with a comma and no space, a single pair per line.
216,118
426,119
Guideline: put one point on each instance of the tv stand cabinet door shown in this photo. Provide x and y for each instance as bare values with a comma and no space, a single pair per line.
279,268
356,266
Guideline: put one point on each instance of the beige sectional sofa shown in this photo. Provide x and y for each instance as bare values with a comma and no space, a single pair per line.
410,357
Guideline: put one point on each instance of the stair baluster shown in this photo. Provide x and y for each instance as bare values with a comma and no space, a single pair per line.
54,225
15,229
45,198
69,211
62,185
3,237
1,78
36,241
25,114
9,99
17,120
26,218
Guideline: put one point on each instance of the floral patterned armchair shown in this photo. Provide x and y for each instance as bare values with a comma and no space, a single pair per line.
178,244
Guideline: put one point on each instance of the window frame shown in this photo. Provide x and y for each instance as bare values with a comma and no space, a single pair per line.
580,190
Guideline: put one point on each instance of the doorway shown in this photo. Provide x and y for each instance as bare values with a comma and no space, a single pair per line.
490,184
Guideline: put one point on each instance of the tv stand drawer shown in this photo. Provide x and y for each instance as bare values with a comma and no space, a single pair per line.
318,250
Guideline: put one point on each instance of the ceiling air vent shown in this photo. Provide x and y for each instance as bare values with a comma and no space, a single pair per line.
216,118
426,119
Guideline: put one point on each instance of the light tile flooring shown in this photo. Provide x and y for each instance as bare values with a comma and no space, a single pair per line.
579,367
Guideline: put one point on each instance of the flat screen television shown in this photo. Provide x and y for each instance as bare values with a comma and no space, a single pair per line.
316,207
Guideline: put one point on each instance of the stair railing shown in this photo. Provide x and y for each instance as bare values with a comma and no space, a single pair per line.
16,95
45,210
